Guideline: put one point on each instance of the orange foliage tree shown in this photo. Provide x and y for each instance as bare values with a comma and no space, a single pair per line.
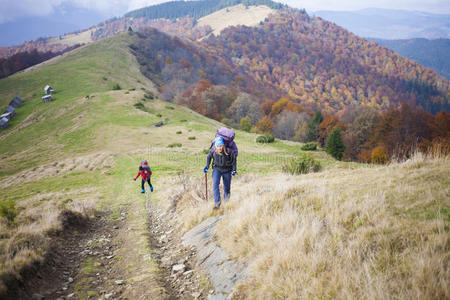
264,125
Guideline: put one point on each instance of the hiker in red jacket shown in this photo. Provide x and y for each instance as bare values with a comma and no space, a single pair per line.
145,172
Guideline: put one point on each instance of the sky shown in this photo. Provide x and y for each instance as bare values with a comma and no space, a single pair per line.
11,10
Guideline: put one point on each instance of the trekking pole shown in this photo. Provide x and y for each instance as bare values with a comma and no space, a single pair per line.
206,186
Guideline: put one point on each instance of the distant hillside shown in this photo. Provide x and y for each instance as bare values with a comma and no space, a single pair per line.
433,54
194,9
274,77
317,64
177,18
390,24
66,19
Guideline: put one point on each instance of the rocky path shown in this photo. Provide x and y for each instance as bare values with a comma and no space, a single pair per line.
180,277
95,260
81,264
104,259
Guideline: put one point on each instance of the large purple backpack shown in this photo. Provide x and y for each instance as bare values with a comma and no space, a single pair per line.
228,139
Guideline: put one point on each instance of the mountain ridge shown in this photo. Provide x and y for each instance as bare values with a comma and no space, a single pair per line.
390,24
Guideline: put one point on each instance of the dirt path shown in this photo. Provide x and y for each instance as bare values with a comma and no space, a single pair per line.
80,249
99,260
180,277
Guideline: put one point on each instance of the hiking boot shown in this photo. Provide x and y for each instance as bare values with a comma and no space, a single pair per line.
151,189
143,191
216,206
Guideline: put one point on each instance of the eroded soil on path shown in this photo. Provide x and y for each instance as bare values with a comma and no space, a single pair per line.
103,258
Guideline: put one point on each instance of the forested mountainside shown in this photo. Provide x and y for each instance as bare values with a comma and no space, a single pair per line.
432,54
195,9
319,65
175,17
23,60
276,76
156,16
325,67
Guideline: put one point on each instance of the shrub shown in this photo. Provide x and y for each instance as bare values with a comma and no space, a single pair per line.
170,107
174,145
8,210
104,78
139,105
116,87
159,115
335,145
309,147
149,95
301,165
265,139
205,151
246,125
379,155
183,120
191,138
179,132
132,89
127,92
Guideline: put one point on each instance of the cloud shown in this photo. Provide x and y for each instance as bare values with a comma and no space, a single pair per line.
13,9
436,6
10,10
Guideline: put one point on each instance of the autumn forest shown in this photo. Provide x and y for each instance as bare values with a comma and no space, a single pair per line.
276,77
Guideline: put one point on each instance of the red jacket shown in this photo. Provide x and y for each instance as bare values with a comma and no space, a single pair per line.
144,174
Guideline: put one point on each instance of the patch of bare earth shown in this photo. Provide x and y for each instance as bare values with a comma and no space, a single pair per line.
47,277
181,278
103,258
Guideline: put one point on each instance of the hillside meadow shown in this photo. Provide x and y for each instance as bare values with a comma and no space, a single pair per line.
367,233
350,231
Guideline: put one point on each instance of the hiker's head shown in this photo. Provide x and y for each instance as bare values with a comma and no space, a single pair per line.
218,141
144,162
219,145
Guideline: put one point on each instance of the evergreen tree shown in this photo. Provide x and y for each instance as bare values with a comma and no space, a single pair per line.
335,145
313,127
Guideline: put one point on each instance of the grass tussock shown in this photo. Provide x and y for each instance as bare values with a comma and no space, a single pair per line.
374,233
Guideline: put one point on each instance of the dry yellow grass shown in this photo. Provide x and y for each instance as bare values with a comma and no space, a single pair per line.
92,162
236,15
27,241
73,38
372,233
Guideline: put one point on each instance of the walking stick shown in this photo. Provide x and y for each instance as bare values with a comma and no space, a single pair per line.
206,186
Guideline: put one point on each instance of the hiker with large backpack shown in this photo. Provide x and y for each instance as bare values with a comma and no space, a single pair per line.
224,152
146,173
